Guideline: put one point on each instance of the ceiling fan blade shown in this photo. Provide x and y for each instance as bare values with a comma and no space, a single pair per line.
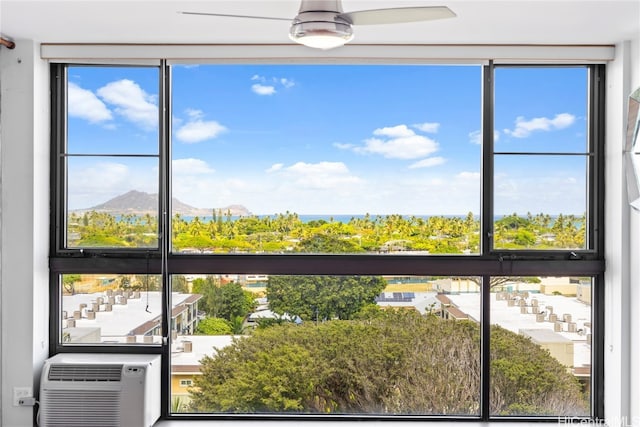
236,16
397,15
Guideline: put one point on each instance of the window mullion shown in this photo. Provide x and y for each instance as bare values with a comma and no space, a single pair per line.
485,349
165,230
486,220
596,160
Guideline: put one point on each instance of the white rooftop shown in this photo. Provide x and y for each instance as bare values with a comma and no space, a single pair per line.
510,318
123,318
201,345
421,301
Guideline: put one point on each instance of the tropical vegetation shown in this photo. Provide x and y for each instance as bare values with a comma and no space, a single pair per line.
289,233
384,362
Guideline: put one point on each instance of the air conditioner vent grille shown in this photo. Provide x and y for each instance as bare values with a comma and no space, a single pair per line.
81,408
79,372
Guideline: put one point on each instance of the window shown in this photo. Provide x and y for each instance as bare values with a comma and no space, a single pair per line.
543,327
110,158
112,308
387,160
335,241
542,158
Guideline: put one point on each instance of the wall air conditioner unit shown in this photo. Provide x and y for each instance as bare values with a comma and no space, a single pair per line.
100,390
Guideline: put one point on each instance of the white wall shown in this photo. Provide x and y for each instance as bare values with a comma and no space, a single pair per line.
634,277
24,174
24,158
617,279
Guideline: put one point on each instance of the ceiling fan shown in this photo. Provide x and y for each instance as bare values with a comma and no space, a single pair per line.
322,24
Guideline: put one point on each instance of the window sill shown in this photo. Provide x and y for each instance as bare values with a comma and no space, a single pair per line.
247,423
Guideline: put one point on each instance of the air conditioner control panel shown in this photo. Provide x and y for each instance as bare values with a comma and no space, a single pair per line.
134,371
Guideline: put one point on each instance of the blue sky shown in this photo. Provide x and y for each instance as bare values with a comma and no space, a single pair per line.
331,139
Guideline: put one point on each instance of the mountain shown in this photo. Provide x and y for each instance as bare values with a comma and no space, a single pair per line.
140,203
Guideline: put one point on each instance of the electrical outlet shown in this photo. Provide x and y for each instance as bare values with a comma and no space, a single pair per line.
20,393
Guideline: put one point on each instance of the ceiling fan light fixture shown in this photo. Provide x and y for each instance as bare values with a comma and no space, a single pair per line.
322,24
321,35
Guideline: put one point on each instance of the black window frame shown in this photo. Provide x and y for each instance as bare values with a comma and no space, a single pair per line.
490,262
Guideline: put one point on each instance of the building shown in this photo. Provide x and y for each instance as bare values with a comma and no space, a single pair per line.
187,351
455,285
519,30
558,323
116,315
559,286
558,346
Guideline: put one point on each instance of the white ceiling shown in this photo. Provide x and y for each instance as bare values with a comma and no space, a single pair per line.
158,21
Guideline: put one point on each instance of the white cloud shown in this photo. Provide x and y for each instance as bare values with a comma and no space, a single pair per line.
551,191
194,114
197,130
321,167
524,128
287,82
321,175
470,176
399,142
190,167
207,190
475,137
101,175
176,122
263,89
427,127
398,131
131,102
342,146
98,182
428,162
275,167
268,86
409,147
84,104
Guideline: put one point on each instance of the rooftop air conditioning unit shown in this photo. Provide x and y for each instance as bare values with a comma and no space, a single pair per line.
100,390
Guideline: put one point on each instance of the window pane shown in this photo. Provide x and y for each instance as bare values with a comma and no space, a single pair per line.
326,158
328,345
112,157
541,109
113,309
540,196
540,202
112,202
541,346
112,110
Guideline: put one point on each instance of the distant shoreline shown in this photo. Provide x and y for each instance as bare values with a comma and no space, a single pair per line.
304,218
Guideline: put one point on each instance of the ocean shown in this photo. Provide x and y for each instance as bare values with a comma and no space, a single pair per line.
336,218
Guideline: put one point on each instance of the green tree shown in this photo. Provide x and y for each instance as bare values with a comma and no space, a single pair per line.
69,281
237,325
125,281
214,326
394,362
327,243
198,285
234,301
226,301
271,379
179,284
322,297
524,238
527,380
